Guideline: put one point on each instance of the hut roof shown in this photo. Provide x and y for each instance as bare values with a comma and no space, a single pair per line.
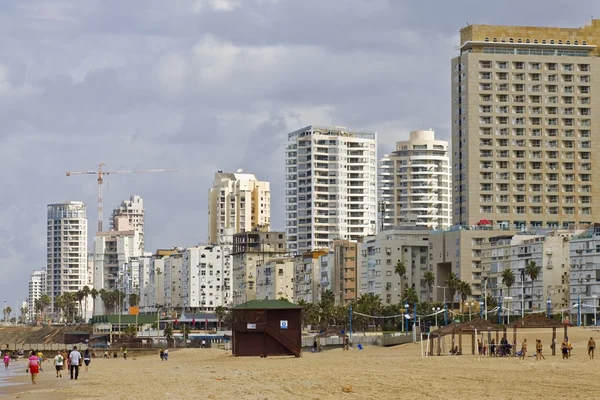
535,321
479,324
267,304
329,332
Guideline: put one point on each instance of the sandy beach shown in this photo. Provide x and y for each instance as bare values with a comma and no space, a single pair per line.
375,372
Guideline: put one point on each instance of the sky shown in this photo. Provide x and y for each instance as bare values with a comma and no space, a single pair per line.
207,85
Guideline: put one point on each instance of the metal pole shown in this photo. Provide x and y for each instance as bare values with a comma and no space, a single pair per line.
350,319
485,295
445,314
595,311
523,294
415,322
500,312
578,309
549,304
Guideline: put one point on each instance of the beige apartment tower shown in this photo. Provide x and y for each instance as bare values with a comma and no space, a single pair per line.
237,203
523,126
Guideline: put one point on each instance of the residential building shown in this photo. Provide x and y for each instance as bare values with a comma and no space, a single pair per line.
379,255
66,249
549,250
205,280
238,202
523,127
339,271
458,250
584,276
144,279
331,189
251,249
307,275
275,279
116,260
173,281
153,269
37,287
415,180
133,210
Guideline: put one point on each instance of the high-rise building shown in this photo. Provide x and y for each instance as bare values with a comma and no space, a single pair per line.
66,248
37,287
116,259
331,193
523,127
237,203
133,210
415,181
339,271
173,281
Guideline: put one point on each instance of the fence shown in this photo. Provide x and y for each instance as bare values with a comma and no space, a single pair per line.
41,347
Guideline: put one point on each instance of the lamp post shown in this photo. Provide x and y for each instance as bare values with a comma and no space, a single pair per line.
485,279
578,309
446,314
405,313
549,306
158,323
500,318
435,310
595,297
4,311
470,304
350,319
443,287
508,299
481,304
523,293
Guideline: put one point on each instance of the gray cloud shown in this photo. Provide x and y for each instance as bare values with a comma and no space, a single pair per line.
201,85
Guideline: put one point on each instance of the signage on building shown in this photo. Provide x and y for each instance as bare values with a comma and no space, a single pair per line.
250,326
283,324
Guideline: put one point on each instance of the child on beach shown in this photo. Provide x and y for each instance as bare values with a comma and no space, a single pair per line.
58,363
6,359
34,366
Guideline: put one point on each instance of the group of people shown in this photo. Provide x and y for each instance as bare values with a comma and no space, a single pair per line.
73,359
164,354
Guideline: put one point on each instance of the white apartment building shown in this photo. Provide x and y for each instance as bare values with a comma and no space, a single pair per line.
237,202
524,126
378,256
37,287
549,250
275,279
251,249
116,259
585,275
331,193
172,280
415,181
307,275
155,295
204,279
66,248
133,210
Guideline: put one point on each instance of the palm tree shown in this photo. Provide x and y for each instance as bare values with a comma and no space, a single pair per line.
94,293
508,279
45,301
86,293
168,331
134,300
400,269
410,296
130,332
464,288
7,312
79,295
452,283
533,271
24,312
429,280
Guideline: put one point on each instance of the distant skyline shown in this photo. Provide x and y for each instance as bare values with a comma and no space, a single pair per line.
207,85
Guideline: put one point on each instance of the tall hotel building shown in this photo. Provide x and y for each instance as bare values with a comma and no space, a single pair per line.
524,112
331,189
66,248
415,183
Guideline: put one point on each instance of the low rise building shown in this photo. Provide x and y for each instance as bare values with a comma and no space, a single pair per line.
275,279
584,276
307,275
172,281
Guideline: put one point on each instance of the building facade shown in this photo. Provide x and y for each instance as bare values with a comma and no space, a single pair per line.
237,202
584,276
378,256
307,275
331,189
250,250
173,281
523,126
275,279
66,248
133,210
339,272
37,287
415,180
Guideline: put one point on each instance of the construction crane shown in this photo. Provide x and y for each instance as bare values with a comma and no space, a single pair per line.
100,173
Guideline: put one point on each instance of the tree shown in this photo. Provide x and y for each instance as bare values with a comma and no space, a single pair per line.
400,269
220,313
94,293
452,283
86,293
130,331
325,308
185,330
508,279
7,311
24,312
104,299
134,300
464,288
168,331
45,302
410,296
533,271
429,280
79,295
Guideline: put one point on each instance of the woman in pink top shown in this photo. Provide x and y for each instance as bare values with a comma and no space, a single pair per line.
34,366
6,359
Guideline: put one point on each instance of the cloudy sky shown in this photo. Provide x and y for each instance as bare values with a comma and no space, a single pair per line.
201,85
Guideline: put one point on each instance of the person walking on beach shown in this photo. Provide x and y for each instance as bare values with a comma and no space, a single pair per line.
86,359
565,349
524,349
591,346
40,356
162,355
125,352
6,359
75,358
34,366
166,354
59,361
538,350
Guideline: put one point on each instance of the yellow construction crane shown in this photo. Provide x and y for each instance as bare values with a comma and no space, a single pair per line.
100,174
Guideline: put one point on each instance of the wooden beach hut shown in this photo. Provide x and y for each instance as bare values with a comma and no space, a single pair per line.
471,328
537,321
267,328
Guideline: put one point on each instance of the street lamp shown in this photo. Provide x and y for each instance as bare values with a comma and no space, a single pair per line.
406,319
481,305
443,287
435,310
508,299
471,304
595,297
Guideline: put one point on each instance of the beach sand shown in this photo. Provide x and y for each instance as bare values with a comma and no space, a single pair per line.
375,372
